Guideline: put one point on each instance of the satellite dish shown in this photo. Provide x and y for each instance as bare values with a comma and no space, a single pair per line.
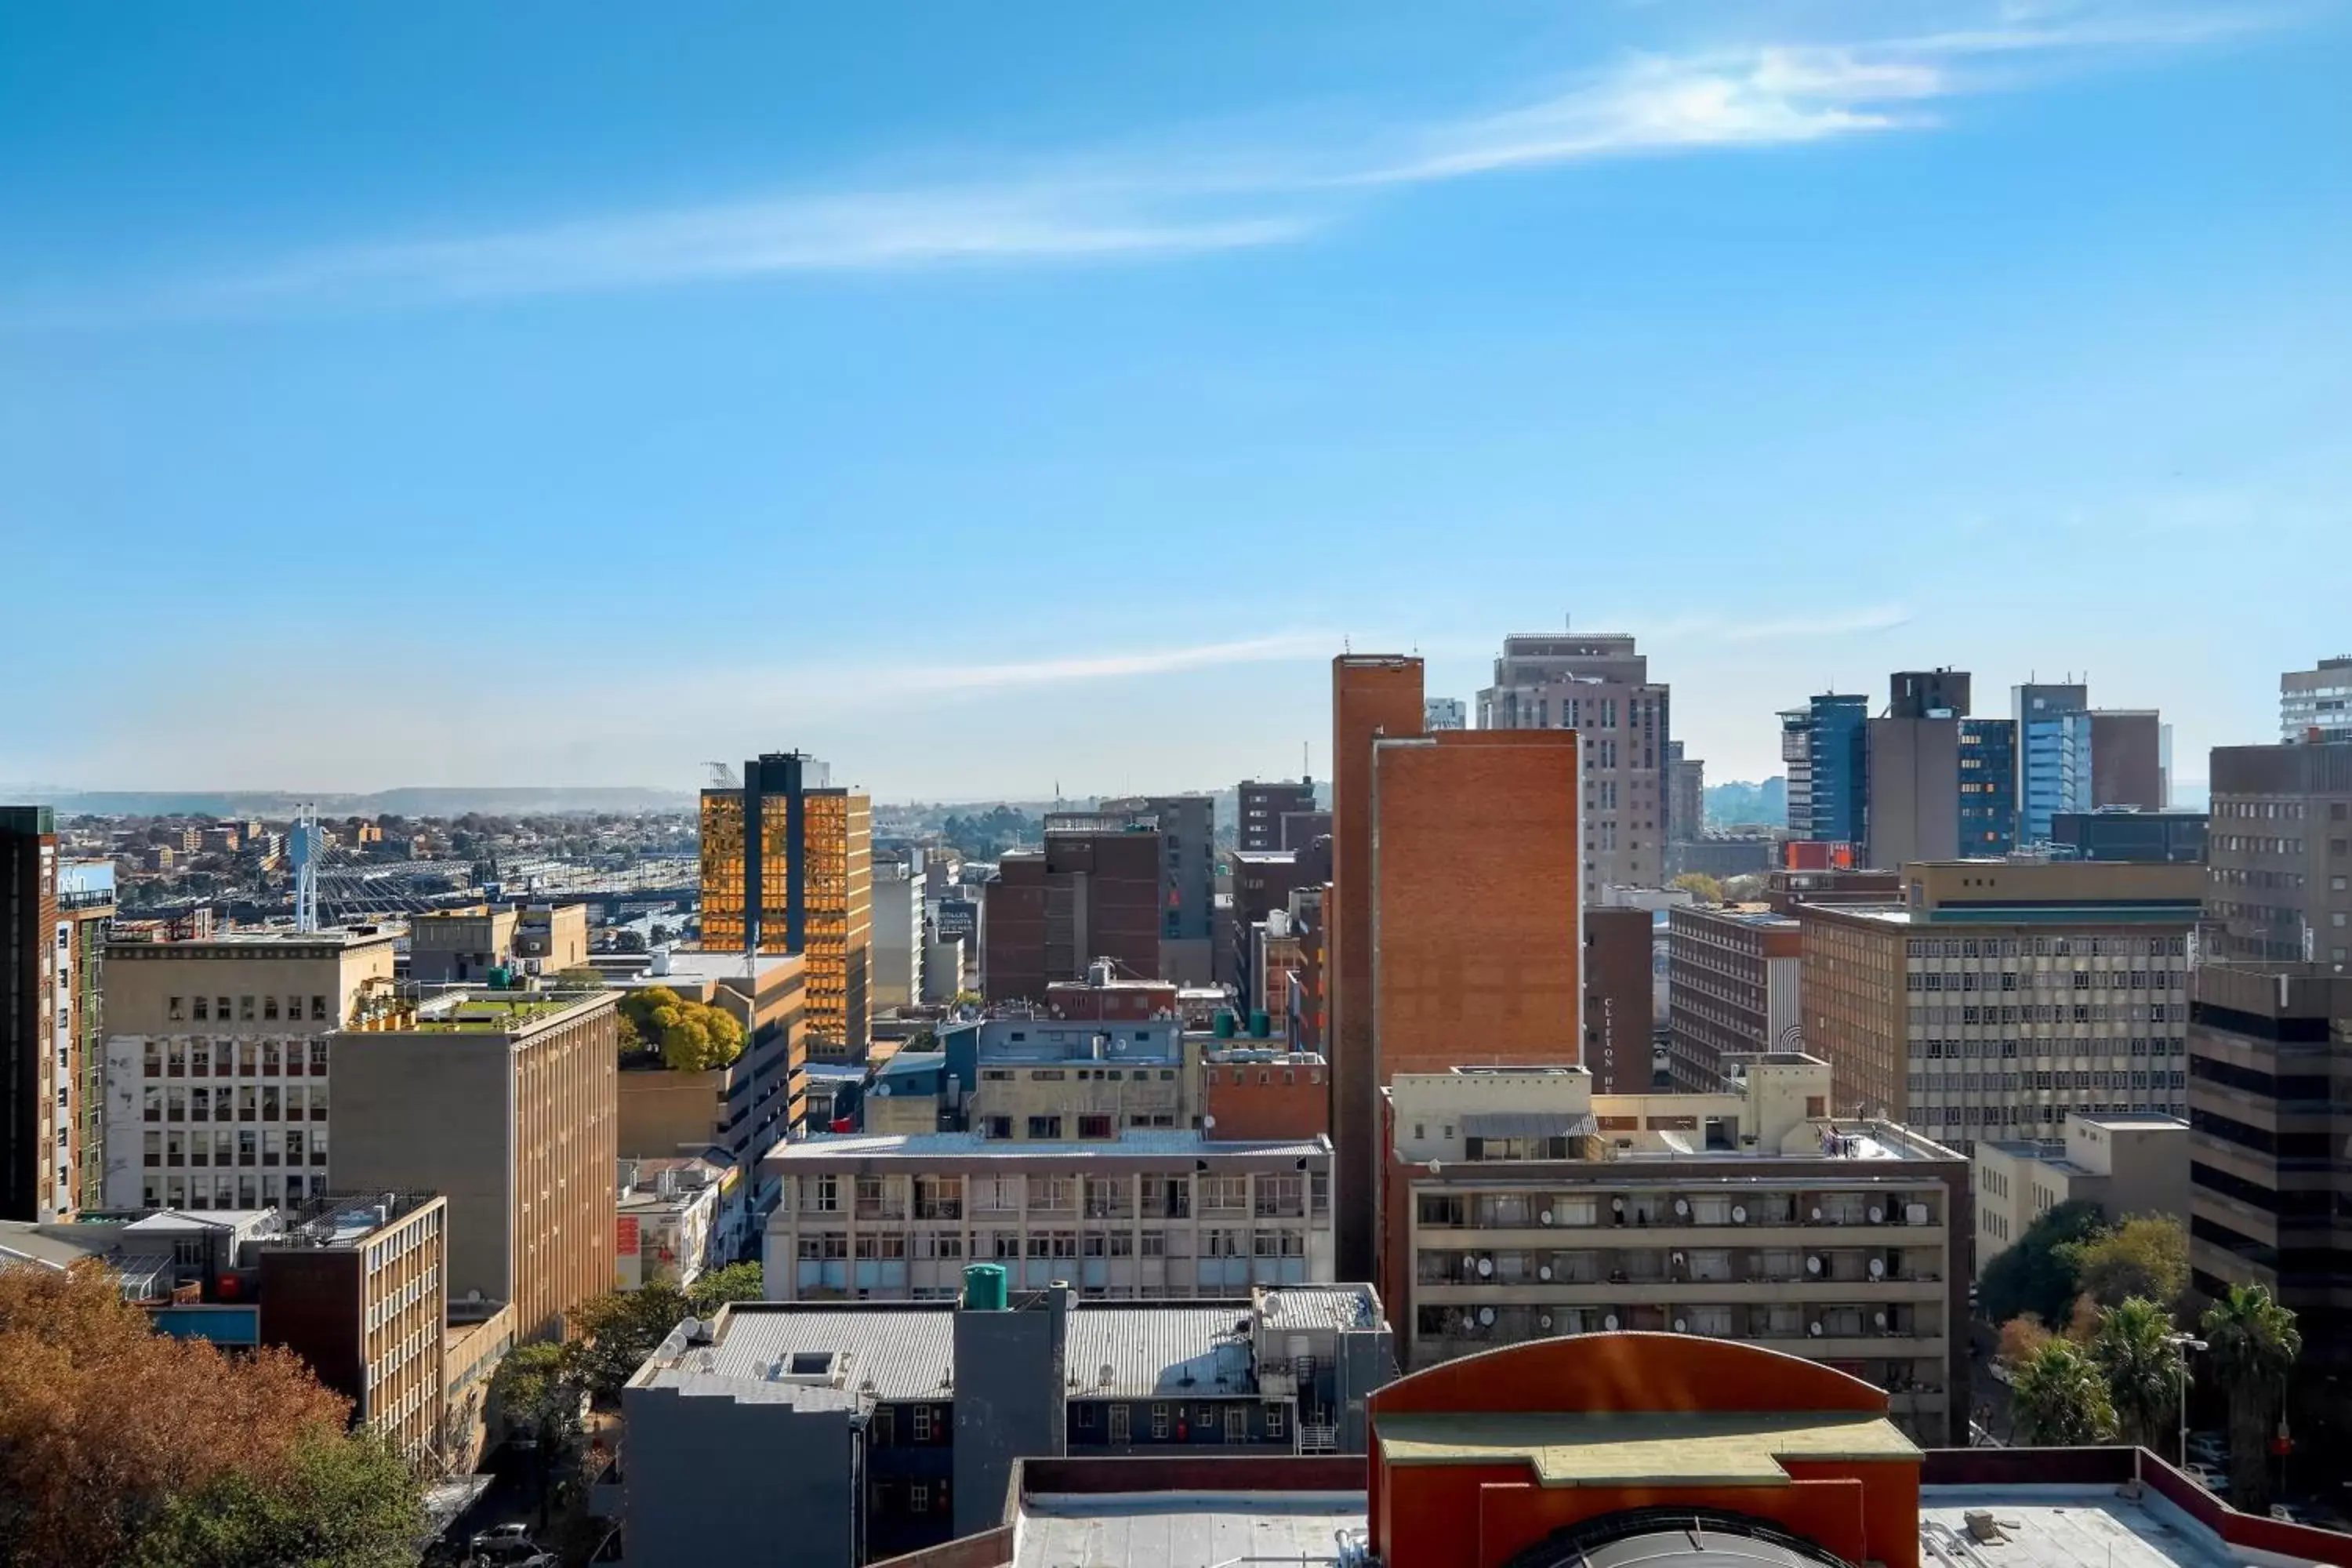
1545,1217
1544,1272
1817,1216
1739,1214
1876,1213
1813,1264
1435,1167
1682,1206
1544,1321
1486,1266
1879,1318
1610,1322
1485,1317
881,1091
1682,1325
1878,1268
1617,1205
1815,1331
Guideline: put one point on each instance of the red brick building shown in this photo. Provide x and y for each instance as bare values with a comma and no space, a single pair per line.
1053,911
1258,1094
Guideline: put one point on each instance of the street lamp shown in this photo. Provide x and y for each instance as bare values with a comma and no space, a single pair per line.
2183,1343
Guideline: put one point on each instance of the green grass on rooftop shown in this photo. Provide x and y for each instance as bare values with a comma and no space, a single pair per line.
489,1014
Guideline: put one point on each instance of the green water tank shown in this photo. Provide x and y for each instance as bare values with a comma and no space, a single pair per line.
1260,1026
983,1288
1224,1025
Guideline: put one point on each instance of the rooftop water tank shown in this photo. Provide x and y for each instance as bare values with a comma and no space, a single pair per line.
983,1288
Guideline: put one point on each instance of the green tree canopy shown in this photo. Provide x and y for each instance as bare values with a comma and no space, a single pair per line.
2035,1274
2133,1350
2147,1256
1699,886
2059,1400
692,1036
2255,1341
348,1502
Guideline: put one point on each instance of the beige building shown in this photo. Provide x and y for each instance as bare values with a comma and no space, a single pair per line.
460,947
2127,1164
1995,999
1152,1214
505,1104
1517,1203
217,1062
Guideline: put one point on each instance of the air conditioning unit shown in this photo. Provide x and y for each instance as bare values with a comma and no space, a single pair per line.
1610,1322
1915,1214
1813,1263
1739,1214
1545,1217
1877,1215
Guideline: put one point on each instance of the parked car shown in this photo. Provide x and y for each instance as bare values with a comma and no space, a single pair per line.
2205,1476
2287,1514
2210,1449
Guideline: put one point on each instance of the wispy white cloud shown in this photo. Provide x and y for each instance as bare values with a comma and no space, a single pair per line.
1116,663
1171,200
1846,622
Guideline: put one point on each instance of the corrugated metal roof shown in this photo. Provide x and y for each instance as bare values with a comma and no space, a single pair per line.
1184,1529
1318,1306
1529,1125
909,1352
1131,1144
1164,1352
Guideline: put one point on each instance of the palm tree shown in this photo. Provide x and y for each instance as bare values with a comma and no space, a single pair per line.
2254,1343
2133,1351
2059,1400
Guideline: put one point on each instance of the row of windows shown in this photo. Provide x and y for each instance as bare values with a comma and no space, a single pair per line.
2097,1077
885,1197
2056,1013
1213,1241
2048,947
179,1056
202,1009
2141,1046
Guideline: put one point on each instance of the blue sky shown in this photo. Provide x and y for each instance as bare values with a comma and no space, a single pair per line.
993,397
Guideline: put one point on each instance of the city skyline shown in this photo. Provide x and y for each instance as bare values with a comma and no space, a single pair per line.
739,378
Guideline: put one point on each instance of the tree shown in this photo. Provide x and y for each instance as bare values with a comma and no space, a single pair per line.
2134,1351
1699,886
736,1283
2255,1342
2058,1400
587,977
537,1390
348,1502
2147,1256
2021,1340
692,1036
615,1331
112,1432
2034,1275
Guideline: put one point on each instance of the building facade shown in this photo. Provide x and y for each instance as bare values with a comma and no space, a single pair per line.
1149,1215
2279,844
2127,765
788,866
1443,714
2000,998
2134,1163
897,950
1621,1015
506,1105
2271,1181
1685,796
2053,755
2129,835
1518,1205
218,1081
1988,787
1092,890
1732,978
1825,746
2318,699
1597,685
1187,825
54,914
1260,807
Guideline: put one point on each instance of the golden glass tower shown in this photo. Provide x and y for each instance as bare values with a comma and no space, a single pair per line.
788,866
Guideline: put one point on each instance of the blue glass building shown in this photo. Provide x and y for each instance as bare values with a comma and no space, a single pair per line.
1988,786
2053,756
1841,767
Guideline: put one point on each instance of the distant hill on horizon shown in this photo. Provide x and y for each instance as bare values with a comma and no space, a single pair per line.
416,801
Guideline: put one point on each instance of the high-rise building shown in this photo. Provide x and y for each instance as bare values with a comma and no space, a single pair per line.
2126,835
1686,795
1913,811
2127,759
53,917
1995,999
1621,1013
1988,787
896,955
1090,891
2279,844
1596,684
2053,755
2268,1131
1372,696
2133,1163
218,1081
1731,980
1443,713
1825,746
505,1103
788,865
1261,806
2317,699
1187,825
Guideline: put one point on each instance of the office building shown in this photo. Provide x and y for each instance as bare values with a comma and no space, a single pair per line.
1597,684
1149,1214
2000,998
2127,759
677,1216
1518,1204
867,1431
1091,890
357,1287
2126,834
1987,788
460,947
1443,713
1372,696
218,1081
1260,807
2053,755
788,866
53,918
1620,1011
1792,885
1732,977
505,1104
1685,796
2136,1162
1187,825
1263,881
2280,848
1825,747
2319,698
897,950
744,1108
1478,932
1913,809
2271,1180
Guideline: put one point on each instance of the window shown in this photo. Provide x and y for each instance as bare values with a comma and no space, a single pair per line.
1094,1126
1046,1127
1236,1423
1274,1420
922,1423
1160,1421
201,1010
919,1496
171,1007
269,1009
1119,1417
319,1009
997,1127
245,1009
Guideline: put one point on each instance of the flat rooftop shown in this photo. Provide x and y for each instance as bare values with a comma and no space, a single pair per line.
261,942
1132,1143
1184,1529
2063,1527
1696,1449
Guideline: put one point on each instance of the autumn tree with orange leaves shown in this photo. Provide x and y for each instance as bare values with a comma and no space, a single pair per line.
120,1444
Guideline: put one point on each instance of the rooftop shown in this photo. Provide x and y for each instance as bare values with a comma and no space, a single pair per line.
259,942
491,1012
2061,1527
1634,1449
1184,1529
1318,1306
1135,1142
